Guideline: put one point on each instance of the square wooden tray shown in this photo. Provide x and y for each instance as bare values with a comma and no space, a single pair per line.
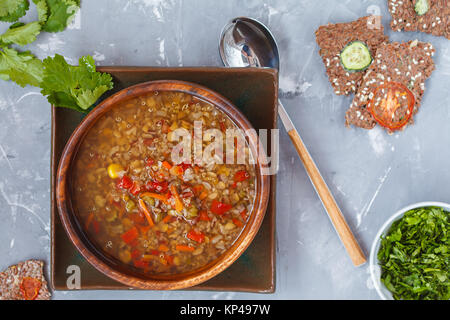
255,92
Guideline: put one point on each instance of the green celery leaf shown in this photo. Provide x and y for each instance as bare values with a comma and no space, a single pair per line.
21,34
12,10
87,98
20,67
42,10
75,87
60,14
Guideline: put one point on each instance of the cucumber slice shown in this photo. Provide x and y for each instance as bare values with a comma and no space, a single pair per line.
421,7
356,56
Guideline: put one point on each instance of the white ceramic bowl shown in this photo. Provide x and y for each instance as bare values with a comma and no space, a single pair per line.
375,270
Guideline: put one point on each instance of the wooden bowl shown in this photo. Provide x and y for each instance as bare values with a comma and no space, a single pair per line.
110,266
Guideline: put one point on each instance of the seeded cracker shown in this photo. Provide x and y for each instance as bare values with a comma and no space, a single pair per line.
408,63
332,38
24,281
435,21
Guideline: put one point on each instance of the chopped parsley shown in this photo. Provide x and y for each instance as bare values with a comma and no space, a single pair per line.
415,255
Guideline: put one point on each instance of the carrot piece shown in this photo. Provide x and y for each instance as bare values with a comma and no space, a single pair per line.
144,229
147,213
148,257
167,219
166,165
163,248
203,195
176,171
89,220
184,248
163,260
178,203
198,189
158,196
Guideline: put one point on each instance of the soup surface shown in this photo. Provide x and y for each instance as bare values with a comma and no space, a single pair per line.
144,209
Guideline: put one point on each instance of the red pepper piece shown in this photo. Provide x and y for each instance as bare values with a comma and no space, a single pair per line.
131,235
220,208
185,165
125,183
237,222
196,236
241,175
136,254
244,214
135,189
157,186
203,216
140,264
169,259
149,162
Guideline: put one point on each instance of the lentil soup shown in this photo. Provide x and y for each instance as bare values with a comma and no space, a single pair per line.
146,211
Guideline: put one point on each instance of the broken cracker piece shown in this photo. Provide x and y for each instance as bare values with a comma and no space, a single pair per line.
333,38
24,281
409,63
429,16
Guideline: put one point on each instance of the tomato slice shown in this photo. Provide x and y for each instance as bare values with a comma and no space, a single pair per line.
30,288
392,105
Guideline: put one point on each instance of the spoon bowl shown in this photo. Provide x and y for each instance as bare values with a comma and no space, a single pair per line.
246,42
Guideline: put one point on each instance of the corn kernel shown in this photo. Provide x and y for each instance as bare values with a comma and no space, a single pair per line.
114,170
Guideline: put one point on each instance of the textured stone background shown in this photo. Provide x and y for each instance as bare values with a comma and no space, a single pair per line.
371,174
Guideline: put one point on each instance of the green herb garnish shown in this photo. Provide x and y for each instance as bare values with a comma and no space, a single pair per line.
75,87
415,255
20,34
55,15
21,67
11,10
64,85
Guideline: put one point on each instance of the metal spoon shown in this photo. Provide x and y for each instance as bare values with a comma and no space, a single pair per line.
246,42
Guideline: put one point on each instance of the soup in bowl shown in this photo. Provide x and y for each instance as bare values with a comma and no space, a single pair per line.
160,187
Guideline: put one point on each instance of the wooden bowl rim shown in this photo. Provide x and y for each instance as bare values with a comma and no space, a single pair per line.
184,280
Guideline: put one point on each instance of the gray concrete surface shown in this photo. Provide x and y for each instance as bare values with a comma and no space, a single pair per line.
371,174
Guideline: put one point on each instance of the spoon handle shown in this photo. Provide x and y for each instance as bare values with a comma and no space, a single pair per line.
337,218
